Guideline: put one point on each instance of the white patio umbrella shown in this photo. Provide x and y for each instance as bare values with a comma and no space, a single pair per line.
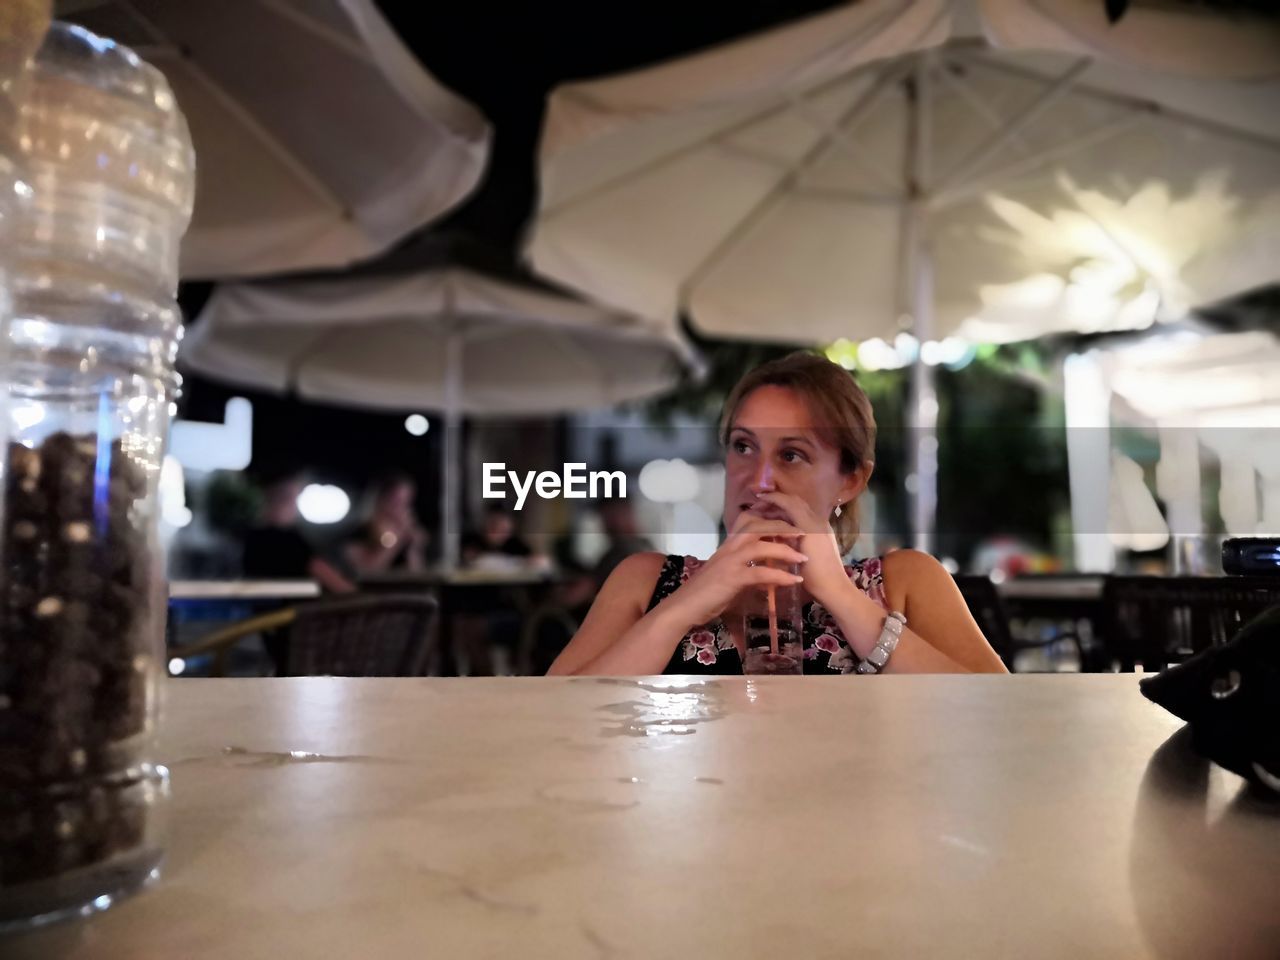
319,138
447,339
1214,392
992,168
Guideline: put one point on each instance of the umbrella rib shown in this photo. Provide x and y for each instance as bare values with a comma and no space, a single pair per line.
1057,89
345,43
1029,165
826,194
595,369
680,153
760,158
785,184
1138,103
282,153
976,104
838,138
273,145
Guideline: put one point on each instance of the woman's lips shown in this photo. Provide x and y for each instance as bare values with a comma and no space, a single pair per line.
764,510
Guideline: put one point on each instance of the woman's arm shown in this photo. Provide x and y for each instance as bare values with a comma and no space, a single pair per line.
941,635
415,558
618,637
327,575
374,557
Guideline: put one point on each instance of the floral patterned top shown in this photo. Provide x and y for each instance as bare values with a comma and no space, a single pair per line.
710,649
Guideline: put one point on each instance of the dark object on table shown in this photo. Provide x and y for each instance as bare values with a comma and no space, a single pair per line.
1251,556
1157,621
75,643
1230,695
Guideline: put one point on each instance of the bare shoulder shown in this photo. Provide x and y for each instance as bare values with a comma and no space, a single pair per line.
911,576
619,604
646,564
906,566
918,585
635,577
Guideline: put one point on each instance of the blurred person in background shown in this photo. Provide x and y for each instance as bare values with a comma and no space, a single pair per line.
497,545
392,538
618,518
275,549
489,614
581,583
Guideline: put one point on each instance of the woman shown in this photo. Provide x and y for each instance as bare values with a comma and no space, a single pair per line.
392,539
799,442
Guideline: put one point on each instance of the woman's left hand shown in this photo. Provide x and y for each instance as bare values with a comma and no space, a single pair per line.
824,574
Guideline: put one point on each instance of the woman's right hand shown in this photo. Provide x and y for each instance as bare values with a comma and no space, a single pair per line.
739,564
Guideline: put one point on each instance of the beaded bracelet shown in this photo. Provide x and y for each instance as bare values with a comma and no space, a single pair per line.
889,636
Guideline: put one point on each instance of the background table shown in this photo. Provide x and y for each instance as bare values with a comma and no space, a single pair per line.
475,595
1025,816
243,590
197,607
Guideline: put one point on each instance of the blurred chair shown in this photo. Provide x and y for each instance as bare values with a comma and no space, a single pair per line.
547,630
376,636
984,602
1152,622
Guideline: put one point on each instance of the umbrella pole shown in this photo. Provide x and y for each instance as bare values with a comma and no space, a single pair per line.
918,268
924,398
451,488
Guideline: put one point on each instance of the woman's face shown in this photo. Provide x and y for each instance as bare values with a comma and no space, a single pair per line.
773,446
397,500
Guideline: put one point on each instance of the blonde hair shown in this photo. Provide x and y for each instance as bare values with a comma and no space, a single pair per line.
841,412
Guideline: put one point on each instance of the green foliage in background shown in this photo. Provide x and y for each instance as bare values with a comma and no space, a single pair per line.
1002,443
232,502
1002,459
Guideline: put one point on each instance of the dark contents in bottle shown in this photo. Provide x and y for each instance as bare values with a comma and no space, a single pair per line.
75,656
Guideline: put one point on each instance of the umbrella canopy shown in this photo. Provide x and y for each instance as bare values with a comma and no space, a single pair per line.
1196,392
320,139
995,168
446,338
1046,169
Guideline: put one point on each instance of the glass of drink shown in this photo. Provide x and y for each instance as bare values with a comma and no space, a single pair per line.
774,630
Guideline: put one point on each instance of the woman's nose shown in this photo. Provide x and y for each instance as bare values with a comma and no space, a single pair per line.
763,479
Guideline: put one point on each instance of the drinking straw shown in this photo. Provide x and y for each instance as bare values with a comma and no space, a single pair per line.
772,594
773,621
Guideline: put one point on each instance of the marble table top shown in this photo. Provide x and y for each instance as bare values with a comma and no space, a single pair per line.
903,817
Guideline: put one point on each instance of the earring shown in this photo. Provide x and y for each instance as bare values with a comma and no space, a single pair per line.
838,508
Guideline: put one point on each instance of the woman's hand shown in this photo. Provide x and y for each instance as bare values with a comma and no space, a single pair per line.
824,575
739,564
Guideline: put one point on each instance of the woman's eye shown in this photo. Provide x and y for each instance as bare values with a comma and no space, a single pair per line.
741,446
793,456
